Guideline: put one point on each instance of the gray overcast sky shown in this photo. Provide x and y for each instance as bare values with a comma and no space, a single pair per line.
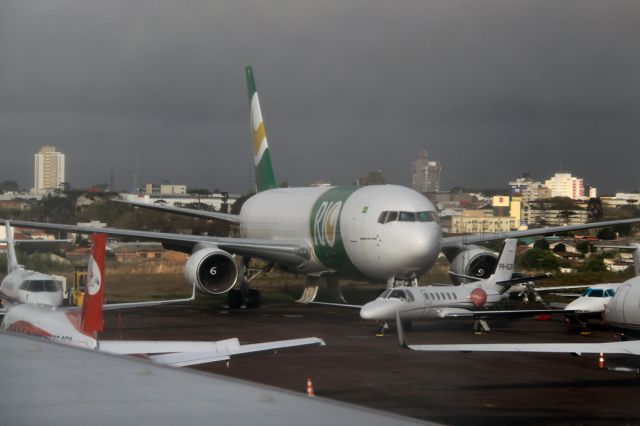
489,88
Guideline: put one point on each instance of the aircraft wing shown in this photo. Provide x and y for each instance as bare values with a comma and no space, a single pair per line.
628,347
183,353
337,305
459,314
563,287
624,347
202,214
281,251
113,389
460,240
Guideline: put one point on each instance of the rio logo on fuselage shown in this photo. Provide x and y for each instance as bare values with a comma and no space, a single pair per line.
325,223
326,232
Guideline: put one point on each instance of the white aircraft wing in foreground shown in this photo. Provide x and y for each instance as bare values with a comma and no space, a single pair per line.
182,354
45,386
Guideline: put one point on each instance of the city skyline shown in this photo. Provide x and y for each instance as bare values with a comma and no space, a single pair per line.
49,174
490,87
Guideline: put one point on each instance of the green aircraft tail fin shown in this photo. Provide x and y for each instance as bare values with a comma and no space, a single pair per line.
265,179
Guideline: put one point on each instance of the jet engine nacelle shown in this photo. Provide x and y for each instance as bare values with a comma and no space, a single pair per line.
475,261
213,270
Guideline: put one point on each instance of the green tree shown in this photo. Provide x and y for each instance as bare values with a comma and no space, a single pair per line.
559,248
8,185
55,209
594,209
606,234
623,230
539,259
593,264
541,244
566,215
583,247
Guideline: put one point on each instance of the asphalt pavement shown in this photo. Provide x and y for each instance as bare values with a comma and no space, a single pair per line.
451,388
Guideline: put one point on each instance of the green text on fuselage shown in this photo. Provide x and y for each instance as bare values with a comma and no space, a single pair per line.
326,233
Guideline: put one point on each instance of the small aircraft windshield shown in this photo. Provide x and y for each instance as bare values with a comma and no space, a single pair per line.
609,292
39,286
594,292
398,294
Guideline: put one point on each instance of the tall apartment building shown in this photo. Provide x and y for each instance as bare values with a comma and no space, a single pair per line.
529,189
565,185
425,174
48,170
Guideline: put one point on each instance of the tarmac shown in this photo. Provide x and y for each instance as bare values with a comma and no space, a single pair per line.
357,367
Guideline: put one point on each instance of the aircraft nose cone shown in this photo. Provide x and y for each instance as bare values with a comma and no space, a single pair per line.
585,305
422,248
380,309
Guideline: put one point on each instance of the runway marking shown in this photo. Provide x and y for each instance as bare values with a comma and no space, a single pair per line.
292,316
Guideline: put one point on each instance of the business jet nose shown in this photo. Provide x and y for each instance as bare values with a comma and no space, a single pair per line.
584,304
381,309
46,298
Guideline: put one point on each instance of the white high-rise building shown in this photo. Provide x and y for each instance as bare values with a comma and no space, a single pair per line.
565,185
48,170
425,174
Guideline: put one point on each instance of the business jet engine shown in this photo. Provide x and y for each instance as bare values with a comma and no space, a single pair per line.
213,270
474,261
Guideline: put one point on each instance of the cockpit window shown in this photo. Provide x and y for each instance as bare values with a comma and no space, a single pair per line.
407,217
609,292
392,216
398,294
384,294
428,217
423,217
594,292
383,217
410,296
38,286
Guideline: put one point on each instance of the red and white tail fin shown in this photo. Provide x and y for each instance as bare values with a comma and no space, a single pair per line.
92,319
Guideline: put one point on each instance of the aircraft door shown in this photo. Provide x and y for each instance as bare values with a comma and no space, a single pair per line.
365,235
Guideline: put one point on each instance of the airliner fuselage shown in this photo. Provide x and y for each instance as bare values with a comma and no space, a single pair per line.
375,232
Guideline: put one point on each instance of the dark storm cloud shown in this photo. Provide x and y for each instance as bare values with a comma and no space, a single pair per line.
490,88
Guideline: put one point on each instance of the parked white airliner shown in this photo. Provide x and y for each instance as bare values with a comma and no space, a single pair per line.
381,233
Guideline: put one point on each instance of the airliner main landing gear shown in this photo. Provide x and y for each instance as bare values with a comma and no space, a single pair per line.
245,295
311,289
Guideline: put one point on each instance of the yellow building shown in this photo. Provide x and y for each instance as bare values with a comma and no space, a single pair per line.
479,221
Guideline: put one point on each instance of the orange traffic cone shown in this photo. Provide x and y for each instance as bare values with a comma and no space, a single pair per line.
310,387
601,360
